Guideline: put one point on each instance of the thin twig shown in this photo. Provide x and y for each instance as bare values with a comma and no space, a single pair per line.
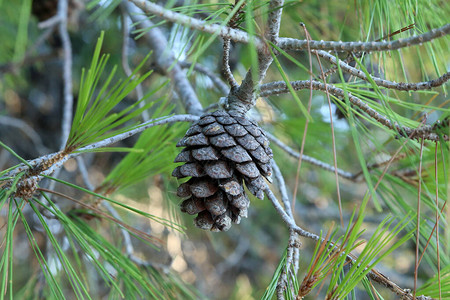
424,132
60,159
53,21
309,159
27,130
226,64
164,58
222,86
294,44
67,72
287,43
386,83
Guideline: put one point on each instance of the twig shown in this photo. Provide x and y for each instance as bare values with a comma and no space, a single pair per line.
27,130
294,44
53,21
373,274
27,59
424,132
164,57
58,158
386,83
283,281
67,71
285,217
193,23
222,86
245,98
126,65
226,64
282,188
309,159
287,43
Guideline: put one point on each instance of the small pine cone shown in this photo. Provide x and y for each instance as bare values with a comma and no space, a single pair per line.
222,151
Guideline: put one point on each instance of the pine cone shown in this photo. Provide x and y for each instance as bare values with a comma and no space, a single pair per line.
223,150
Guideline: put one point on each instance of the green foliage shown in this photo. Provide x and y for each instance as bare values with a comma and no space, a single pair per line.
153,158
94,119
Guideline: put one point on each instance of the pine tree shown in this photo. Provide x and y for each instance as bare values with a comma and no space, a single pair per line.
330,112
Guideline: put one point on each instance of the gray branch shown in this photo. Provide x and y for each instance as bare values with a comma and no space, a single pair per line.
386,83
309,159
164,58
287,43
222,86
55,160
295,44
425,132
67,71
245,97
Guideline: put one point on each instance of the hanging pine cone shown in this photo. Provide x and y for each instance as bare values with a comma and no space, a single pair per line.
223,150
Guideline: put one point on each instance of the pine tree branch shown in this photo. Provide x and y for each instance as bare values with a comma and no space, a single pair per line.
222,86
292,257
245,97
309,159
386,83
226,64
193,23
66,121
47,164
290,44
165,59
373,274
425,132
27,130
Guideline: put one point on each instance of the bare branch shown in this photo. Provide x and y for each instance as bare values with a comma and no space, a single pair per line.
226,64
55,160
244,98
386,83
193,23
287,43
164,57
67,71
309,159
425,131
295,44
222,86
